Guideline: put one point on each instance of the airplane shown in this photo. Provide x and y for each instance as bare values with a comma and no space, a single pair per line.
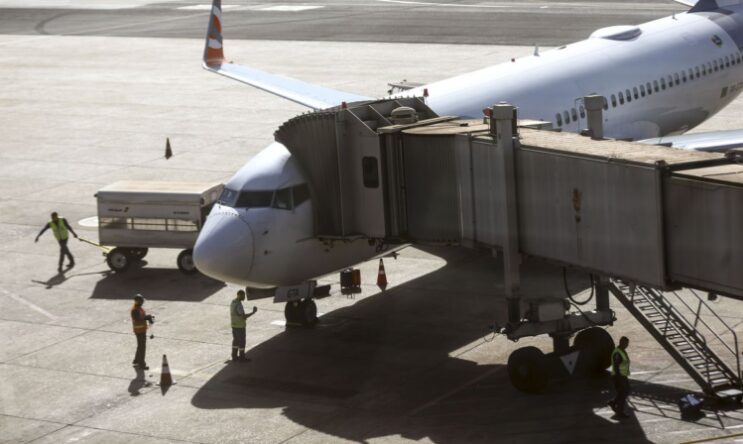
659,79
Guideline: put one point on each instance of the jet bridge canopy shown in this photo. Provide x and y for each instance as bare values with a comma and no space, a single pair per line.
647,214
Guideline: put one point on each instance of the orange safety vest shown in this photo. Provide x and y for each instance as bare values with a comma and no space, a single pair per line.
139,326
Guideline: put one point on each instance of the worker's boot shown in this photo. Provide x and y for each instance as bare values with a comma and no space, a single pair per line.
242,357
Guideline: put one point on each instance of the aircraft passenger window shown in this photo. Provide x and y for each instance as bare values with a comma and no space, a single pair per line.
709,68
670,82
254,199
629,96
655,86
606,104
636,94
650,88
621,99
613,101
301,194
370,171
691,74
582,111
558,119
642,90
228,197
683,76
575,115
702,71
662,83
727,62
737,58
714,64
282,199
676,79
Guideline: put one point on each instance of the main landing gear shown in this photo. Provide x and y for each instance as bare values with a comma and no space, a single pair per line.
530,370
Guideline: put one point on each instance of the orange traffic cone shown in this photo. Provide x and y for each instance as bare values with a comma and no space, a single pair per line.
165,379
381,276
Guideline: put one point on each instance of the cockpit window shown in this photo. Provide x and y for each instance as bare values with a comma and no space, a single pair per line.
283,199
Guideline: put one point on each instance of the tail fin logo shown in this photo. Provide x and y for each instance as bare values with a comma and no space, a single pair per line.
214,55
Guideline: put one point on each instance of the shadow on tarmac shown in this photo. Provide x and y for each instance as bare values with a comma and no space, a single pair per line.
389,365
139,382
156,284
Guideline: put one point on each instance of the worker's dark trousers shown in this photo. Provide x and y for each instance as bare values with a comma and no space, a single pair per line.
64,251
141,349
238,342
621,384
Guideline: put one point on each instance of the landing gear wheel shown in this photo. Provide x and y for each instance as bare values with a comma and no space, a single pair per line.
118,260
138,253
527,369
302,312
599,345
185,262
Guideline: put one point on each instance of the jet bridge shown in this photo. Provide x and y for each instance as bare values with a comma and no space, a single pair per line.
639,216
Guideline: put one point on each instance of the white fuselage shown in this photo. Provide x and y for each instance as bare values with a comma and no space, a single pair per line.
659,78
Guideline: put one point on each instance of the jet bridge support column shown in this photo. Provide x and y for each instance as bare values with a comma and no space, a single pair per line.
502,130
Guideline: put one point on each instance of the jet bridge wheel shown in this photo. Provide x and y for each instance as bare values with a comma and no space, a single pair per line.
185,262
527,369
118,260
302,313
598,345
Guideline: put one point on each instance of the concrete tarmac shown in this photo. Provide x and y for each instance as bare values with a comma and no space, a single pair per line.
415,363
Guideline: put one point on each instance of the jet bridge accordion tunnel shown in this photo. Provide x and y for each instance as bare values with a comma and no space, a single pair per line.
652,215
392,171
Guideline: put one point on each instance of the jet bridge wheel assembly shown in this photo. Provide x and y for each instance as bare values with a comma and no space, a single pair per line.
302,312
527,369
596,345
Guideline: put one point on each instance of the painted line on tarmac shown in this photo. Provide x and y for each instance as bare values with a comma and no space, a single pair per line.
450,5
455,390
29,304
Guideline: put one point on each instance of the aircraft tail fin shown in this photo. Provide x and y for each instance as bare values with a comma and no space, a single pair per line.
313,96
213,52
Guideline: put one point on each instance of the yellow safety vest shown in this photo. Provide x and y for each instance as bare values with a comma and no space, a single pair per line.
238,320
59,229
624,365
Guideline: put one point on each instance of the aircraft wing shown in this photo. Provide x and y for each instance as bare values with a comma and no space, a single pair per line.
313,96
709,141
687,2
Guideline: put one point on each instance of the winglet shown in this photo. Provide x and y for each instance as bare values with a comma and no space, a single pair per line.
213,52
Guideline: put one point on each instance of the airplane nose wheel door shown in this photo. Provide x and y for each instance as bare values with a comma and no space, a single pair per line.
303,312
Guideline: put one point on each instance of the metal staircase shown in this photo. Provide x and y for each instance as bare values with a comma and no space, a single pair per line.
681,337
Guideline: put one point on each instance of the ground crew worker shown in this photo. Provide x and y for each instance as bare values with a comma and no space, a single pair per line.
139,324
620,372
60,227
238,317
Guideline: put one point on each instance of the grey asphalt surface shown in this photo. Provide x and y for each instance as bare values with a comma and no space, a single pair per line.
393,21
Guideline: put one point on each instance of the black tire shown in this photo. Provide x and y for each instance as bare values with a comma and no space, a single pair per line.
598,345
138,253
185,262
118,260
291,310
527,369
307,313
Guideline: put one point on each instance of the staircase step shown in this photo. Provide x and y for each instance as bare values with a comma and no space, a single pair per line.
728,393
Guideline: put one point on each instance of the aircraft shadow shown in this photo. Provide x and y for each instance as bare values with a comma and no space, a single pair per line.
158,284
402,363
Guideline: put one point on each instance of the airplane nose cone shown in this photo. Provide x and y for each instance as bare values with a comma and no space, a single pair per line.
224,248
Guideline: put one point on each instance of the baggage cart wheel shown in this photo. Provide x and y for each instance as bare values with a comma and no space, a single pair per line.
138,253
185,262
527,369
118,260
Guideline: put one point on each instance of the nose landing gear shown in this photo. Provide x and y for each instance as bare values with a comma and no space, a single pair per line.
301,313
